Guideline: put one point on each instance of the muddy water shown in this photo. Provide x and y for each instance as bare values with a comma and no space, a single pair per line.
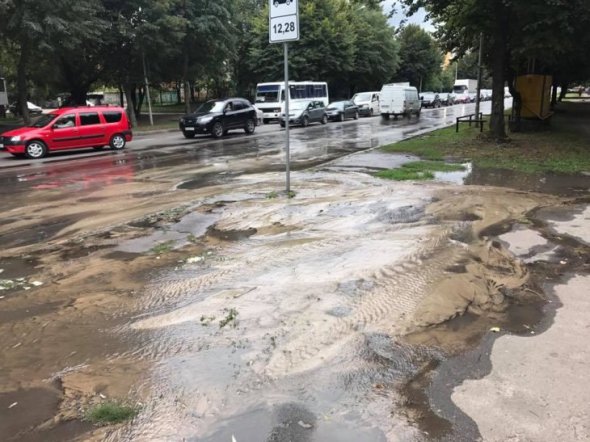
294,324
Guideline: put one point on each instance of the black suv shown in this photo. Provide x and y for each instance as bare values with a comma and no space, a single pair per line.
218,117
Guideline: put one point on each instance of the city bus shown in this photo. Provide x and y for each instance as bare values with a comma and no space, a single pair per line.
270,97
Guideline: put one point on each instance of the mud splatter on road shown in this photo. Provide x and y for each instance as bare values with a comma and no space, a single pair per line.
231,305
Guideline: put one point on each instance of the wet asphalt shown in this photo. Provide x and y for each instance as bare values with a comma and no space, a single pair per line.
310,146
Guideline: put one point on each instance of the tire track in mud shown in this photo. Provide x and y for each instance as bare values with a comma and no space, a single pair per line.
386,306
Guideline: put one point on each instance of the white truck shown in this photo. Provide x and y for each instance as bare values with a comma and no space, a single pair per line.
465,86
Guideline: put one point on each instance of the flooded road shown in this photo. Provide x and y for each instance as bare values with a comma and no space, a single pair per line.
180,279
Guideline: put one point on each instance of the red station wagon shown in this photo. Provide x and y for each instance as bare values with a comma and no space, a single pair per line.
70,128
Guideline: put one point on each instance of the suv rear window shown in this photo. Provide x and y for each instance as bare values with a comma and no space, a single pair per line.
89,119
112,116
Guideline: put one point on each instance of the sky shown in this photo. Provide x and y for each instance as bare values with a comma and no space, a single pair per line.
418,18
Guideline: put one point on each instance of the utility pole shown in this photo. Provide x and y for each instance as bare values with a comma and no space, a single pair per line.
147,88
478,98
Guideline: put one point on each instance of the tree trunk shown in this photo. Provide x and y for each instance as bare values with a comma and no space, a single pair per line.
563,92
554,94
497,126
121,96
516,103
130,110
21,82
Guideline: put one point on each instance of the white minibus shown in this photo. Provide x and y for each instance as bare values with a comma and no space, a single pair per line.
270,97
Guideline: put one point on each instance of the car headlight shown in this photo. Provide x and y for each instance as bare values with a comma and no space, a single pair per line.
205,120
15,139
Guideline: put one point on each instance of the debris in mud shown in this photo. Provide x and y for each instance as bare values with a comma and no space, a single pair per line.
194,259
231,235
231,318
18,283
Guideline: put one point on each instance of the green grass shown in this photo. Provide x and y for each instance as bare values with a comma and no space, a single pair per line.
563,148
111,413
163,247
418,170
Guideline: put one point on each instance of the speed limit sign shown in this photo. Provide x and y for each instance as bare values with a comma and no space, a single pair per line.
283,21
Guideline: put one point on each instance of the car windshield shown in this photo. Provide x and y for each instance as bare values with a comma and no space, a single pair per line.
298,105
211,106
267,94
362,97
337,105
42,121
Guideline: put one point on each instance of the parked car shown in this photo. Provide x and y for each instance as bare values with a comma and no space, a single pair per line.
341,110
447,98
218,117
33,109
259,116
70,128
430,99
368,103
304,112
462,98
399,99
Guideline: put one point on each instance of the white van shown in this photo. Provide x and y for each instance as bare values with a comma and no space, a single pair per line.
368,103
399,99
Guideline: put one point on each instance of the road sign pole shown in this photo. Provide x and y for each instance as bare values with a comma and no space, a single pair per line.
283,27
287,147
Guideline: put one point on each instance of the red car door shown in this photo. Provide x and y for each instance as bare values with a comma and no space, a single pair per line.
64,133
91,131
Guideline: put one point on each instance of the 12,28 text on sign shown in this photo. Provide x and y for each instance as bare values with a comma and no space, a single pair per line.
283,21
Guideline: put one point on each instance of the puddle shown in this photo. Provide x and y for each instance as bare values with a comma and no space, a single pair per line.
189,227
43,231
557,184
19,314
63,431
291,422
20,267
77,251
571,221
29,408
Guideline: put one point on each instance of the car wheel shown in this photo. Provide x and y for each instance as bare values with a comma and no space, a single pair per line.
98,147
35,149
305,121
282,124
356,115
385,116
250,127
188,134
370,112
217,130
341,117
117,142
325,119
266,121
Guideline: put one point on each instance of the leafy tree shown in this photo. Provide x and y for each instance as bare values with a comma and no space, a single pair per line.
376,50
514,31
420,59
33,28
